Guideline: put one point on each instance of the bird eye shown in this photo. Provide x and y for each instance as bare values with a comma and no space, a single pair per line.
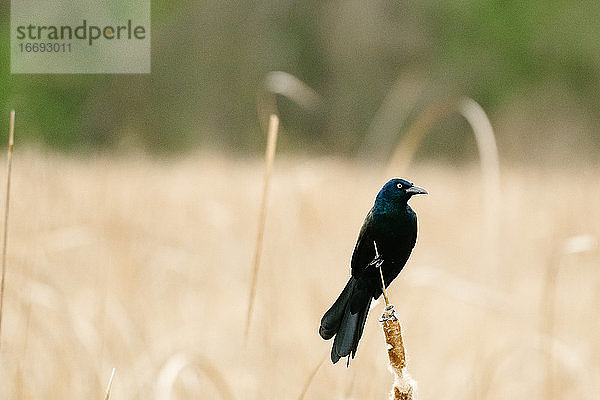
399,186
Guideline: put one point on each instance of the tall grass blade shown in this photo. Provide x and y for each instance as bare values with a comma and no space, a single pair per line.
488,157
391,116
6,204
269,160
109,386
407,147
490,171
289,86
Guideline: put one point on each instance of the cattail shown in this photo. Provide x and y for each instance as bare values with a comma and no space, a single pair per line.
404,386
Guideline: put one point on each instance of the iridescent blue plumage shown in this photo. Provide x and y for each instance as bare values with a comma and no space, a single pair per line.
391,225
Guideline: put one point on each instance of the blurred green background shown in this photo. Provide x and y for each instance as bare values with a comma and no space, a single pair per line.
533,66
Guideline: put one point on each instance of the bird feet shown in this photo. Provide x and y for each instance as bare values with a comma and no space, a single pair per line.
388,314
377,261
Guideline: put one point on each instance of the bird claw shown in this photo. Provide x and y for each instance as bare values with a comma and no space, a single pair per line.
388,314
377,261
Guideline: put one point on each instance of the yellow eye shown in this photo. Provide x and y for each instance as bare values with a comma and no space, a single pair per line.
399,186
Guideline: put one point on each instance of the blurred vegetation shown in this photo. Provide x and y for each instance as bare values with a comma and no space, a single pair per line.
534,66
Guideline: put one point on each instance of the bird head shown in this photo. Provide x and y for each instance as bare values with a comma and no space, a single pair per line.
398,191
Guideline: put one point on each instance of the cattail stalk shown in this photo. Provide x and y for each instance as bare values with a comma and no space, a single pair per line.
387,301
404,386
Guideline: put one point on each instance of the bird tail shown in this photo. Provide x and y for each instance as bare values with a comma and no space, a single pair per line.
346,320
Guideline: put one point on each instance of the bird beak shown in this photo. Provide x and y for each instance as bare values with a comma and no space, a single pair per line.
416,190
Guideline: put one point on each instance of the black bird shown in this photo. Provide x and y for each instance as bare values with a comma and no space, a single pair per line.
386,238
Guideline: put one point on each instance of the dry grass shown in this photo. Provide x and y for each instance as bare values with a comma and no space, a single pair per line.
269,161
109,386
132,264
11,142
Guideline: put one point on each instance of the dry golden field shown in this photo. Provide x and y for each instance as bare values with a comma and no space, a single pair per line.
145,266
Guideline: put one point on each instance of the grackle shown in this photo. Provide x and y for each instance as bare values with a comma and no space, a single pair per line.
386,240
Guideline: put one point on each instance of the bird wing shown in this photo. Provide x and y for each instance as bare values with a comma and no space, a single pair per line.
364,250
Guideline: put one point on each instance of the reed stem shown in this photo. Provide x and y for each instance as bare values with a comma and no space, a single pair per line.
6,207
